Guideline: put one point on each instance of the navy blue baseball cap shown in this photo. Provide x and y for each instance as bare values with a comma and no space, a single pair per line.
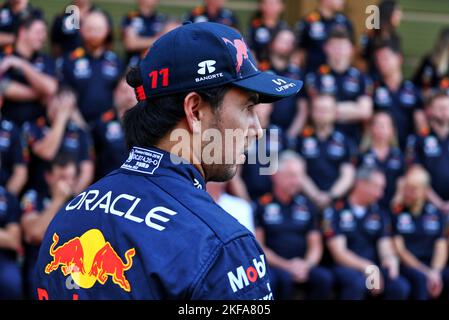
206,55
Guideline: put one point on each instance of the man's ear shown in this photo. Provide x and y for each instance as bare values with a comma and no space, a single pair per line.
194,108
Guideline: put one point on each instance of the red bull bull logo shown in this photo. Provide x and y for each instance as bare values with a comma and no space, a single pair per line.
90,258
241,53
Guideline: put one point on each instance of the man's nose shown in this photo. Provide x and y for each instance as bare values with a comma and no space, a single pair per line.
255,130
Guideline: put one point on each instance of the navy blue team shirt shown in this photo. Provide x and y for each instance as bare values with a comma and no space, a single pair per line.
110,145
286,226
313,31
93,79
393,167
401,104
21,111
420,232
12,150
346,86
9,213
432,152
324,158
150,231
362,233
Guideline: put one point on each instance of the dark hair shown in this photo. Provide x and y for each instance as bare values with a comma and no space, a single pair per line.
150,120
278,31
388,44
27,21
64,88
436,95
386,10
62,160
365,173
339,32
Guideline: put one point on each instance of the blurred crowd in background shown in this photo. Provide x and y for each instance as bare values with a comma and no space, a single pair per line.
363,169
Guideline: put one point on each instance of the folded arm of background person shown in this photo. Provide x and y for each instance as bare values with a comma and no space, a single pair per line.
345,257
387,256
436,200
10,237
43,84
133,42
86,175
47,147
439,257
314,249
344,182
16,91
18,179
353,111
35,224
300,118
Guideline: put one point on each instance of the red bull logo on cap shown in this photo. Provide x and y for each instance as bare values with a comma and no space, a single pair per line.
241,53
90,258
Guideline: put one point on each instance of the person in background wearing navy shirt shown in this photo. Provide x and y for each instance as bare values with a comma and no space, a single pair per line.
290,114
379,150
263,25
58,133
93,71
108,134
394,94
420,231
431,149
350,86
314,29
10,246
39,209
287,228
358,236
214,11
12,12
140,28
65,36
329,155
27,66
13,158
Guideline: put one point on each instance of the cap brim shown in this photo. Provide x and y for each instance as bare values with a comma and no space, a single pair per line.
269,86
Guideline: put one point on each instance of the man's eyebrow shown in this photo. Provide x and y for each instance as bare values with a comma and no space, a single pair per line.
253,98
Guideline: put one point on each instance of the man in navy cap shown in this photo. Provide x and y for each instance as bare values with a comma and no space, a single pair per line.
149,230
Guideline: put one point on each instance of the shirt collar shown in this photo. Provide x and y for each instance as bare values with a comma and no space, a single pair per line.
157,162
